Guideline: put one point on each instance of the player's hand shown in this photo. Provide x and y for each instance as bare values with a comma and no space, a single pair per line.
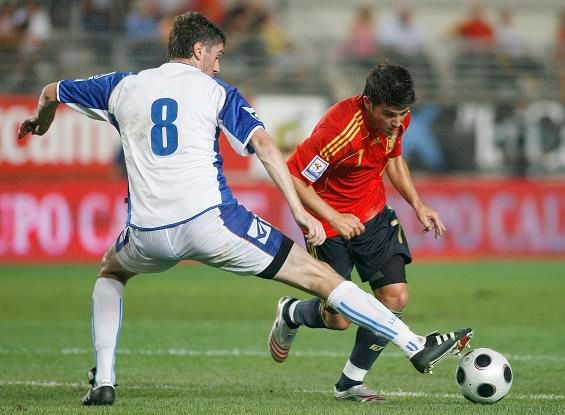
31,125
347,225
315,234
430,219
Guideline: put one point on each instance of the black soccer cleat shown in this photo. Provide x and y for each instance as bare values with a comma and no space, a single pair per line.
438,346
98,395
101,395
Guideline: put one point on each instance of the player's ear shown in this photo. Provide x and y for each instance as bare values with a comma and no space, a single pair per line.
197,49
367,103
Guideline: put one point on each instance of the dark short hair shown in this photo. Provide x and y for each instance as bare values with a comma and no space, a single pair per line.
390,84
190,28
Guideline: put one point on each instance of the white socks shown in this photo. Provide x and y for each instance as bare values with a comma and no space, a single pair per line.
106,323
366,311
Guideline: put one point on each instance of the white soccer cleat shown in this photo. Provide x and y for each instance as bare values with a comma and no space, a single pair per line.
281,335
359,393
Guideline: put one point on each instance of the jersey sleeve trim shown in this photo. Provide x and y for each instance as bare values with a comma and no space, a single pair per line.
345,137
90,96
238,120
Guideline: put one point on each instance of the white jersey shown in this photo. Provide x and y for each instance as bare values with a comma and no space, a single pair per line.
169,119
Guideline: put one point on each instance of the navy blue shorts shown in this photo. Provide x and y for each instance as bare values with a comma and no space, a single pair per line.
383,238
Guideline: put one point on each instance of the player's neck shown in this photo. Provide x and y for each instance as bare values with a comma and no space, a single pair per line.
187,61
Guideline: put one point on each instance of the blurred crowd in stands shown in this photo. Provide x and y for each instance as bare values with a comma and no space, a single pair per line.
35,39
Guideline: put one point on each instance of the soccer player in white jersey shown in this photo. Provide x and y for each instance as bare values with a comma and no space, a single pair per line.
180,206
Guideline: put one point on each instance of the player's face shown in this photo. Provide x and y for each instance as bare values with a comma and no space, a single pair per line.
385,118
211,59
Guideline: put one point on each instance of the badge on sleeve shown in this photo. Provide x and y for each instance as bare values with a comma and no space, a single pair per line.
315,169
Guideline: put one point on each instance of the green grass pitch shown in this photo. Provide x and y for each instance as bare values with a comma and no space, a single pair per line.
194,341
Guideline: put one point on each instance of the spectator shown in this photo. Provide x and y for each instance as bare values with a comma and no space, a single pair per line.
8,29
513,61
475,66
508,42
97,15
401,36
243,25
474,31
360,46
402,42
34,24
213,9
142,32
171,7
560,52
286,65
10,36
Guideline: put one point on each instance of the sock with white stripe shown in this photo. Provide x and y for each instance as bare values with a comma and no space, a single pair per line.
366,311
107,299
366,350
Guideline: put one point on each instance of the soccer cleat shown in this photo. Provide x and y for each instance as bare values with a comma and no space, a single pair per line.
98,395
281,335
359,393
438,346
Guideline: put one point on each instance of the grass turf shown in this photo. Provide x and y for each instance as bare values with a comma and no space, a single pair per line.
194,341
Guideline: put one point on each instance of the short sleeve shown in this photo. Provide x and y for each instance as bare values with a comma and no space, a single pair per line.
307,162
90,96
238,120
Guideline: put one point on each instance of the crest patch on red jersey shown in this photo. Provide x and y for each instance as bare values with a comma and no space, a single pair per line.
315,169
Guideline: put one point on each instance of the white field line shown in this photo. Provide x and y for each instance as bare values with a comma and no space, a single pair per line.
396,393
242,353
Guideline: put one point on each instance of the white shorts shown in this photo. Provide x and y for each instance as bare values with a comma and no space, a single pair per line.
228,237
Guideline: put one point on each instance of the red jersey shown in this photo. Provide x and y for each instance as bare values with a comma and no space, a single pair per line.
344,161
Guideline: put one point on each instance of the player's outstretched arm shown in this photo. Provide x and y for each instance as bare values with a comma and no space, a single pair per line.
346,224
40,122
399,175
271,157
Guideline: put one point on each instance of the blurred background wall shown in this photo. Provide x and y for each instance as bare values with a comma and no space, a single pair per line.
486,143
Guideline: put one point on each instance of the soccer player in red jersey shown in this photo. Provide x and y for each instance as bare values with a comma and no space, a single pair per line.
338,174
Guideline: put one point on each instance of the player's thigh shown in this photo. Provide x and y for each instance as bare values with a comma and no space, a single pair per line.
145,251
234,239
382,240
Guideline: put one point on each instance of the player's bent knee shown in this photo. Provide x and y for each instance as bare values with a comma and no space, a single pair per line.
394,296
111,268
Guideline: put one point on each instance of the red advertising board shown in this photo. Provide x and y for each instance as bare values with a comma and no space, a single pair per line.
489,218
76,221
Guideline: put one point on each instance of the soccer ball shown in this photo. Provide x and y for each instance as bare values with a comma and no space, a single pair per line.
484,376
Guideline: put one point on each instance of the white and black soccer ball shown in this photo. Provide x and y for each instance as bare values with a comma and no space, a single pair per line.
484,376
